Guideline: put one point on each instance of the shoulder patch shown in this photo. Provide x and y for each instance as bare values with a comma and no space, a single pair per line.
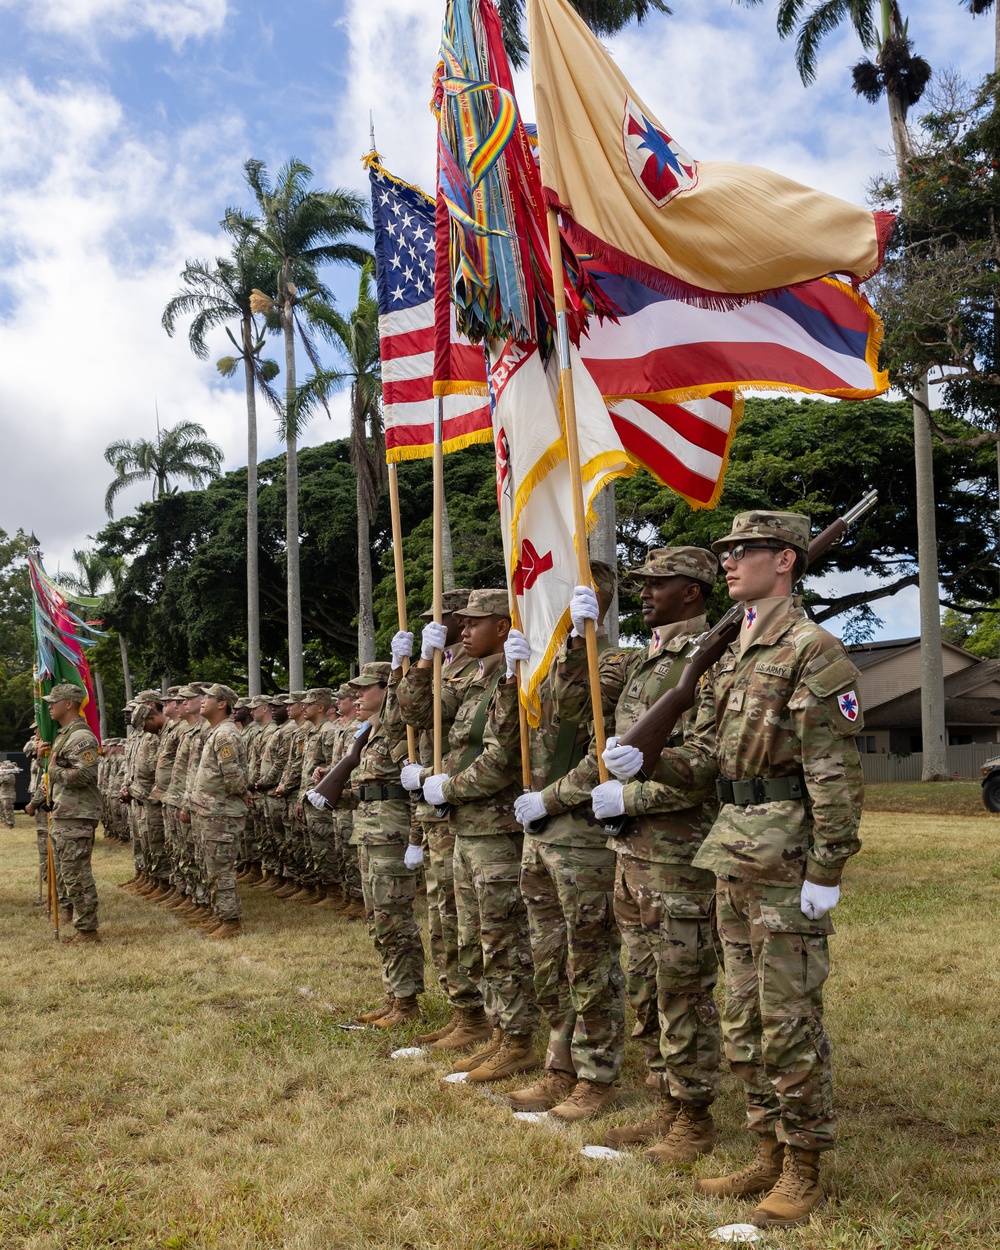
89,756
848,704
226,752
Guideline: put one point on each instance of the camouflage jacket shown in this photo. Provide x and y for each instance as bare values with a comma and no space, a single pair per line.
274,756
133,741
220,786
255,750
788,706
195,744
291,774
174,791
343,738
320,746
165,755
73,791
384,821
144,777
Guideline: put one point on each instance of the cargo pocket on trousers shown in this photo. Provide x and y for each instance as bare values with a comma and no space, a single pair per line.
795,961
499,893
685,932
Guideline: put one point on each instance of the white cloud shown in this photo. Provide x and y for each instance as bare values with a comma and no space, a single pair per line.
96,223
173,20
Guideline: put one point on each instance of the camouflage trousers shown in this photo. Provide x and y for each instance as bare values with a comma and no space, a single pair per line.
494,948
218,839
7,795
665,913
389,888
322,835
134,810
348,867
42,838
251,851
442,917
776,962
170,846
192,859
72,847
154,841
273,825
576,950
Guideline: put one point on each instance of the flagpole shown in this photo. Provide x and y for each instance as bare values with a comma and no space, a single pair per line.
437,604
397,560
573,455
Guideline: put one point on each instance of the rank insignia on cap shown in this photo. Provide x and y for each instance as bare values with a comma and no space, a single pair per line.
848,704
751,617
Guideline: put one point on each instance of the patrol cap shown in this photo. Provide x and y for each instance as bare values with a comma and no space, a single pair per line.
258,700
142,711
604,577
218,691
693,562
319,694
487,603
188,692
345,691
372,674
173,692
296,696
451,601
149,696
790,529
65,690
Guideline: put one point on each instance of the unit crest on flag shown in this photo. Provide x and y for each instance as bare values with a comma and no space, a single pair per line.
848,704
660,165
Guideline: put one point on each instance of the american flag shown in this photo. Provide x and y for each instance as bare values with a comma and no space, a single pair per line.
403,219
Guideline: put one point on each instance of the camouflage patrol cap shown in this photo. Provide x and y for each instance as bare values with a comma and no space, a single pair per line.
791,529
188,692
604,577
258,700
451,601
372,674
296,696
149,696
345,691
141,713
319,694
487,603
218,691
693,562
65,690
173,692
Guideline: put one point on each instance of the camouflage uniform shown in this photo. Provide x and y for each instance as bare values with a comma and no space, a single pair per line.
141,788
493,940
194,850
166,754
345,848
319,823
296,853
76,808
8,791
382,830
257,838
787,712
219,796
37,782
184,763
247,851
133,741
273,758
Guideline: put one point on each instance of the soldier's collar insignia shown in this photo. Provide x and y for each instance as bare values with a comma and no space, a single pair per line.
751,618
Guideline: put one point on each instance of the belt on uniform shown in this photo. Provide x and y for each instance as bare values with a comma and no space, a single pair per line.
379,794
759,790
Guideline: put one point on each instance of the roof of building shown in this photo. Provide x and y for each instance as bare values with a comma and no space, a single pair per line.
866,653
904,712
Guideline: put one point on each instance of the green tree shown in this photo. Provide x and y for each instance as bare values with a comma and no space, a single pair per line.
303,229
182,451
17,644
604,17
357,342
215,294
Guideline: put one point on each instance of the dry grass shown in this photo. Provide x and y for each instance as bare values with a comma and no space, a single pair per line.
940,798
158,1091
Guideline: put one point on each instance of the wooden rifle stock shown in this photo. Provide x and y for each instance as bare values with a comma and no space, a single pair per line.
331,785
652,731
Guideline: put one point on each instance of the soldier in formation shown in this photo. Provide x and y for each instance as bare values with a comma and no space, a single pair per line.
8,787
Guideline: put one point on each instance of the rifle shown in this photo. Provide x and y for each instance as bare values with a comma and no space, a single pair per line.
652,731
331,785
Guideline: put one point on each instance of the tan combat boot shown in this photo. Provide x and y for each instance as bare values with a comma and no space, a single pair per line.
83,937
445,1030
227,929
386,1009
471,1029
515,1054
691,1135
124,885
652,1128
586,1099
319,896
287,890
304,894
253,875
404,1010
66,913
355,910
796,1195
269,883
554,1086
481,1055
759,1176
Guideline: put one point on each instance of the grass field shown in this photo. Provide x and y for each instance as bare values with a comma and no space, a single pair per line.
944,798
163,1091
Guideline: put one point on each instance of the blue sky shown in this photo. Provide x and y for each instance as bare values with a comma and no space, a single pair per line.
124,125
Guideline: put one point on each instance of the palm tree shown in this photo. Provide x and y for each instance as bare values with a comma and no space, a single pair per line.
218,293
356,339
901,77
302,229
604,17
183,451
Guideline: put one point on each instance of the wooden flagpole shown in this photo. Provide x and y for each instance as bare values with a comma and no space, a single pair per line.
573,455
437,604
397,560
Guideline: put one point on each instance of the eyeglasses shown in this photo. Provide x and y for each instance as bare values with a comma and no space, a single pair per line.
740,549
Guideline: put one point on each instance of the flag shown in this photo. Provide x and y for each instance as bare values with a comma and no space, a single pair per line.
403,219
60,638
534,492
710,231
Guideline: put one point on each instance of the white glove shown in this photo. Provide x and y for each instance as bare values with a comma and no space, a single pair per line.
515,648
623,761
413,857
402,646
583,608
433,789
817,900
316,799
409,776
529,807
608,800
433,639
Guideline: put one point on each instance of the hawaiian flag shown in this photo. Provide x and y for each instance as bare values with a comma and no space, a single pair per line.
60,637
403,219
